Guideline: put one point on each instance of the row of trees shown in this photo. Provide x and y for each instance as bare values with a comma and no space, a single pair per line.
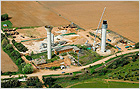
34,81
51,82
19,46
15,56
10,84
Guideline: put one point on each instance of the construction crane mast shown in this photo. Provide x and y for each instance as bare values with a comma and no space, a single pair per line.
97,30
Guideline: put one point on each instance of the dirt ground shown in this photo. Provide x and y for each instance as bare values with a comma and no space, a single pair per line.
7,64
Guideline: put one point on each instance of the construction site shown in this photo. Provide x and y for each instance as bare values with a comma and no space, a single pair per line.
64,39
68,45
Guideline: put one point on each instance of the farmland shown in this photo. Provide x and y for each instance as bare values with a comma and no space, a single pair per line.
7,64
122,16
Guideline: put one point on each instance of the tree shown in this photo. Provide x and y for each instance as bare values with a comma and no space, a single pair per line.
137,45
19,61
49,81
28,68
4,42
39,85
15,54
4,17
9,48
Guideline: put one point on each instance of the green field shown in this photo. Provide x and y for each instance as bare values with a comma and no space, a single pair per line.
110,84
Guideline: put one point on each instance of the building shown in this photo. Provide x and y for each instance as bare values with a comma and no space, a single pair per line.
60,50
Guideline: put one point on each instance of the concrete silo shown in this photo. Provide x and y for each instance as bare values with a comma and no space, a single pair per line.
48,29
103,40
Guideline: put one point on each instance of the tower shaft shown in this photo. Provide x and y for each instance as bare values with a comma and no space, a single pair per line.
103,40
49,52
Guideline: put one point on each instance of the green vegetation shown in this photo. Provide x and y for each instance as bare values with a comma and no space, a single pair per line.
54,67
92,34
68,34
120,56
15,56
125,66
137,45
8,23
63,54
4,17
33,82
28,57
33,39
111,45
10,84
74,73
27,69
19,46
128,72
51,82
27,27
5,42
110,84
35,56
51,75
87,57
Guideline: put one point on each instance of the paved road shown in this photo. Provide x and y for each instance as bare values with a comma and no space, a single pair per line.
72,69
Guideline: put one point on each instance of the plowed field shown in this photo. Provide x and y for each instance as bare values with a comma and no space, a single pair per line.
122,16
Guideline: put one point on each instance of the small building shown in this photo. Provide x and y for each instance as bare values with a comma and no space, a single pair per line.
39,61
60,50
5,25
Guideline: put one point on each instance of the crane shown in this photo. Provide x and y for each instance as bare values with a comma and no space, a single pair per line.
97,30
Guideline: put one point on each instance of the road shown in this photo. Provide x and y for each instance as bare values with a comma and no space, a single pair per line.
72,69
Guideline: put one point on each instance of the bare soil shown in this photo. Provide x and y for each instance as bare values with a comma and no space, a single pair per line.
7,64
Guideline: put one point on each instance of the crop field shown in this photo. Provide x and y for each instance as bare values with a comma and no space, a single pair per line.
7,64
30,13
122,16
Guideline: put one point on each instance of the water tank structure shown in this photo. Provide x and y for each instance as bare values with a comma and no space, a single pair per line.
48,29
103,40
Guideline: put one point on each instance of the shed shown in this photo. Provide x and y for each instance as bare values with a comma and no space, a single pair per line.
5,25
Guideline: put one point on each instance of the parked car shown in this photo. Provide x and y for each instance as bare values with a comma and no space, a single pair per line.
63,72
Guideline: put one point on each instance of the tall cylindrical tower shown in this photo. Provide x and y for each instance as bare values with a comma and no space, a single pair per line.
49,28
103,40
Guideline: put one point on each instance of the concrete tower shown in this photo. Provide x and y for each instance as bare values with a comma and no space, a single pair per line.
103,40
48,29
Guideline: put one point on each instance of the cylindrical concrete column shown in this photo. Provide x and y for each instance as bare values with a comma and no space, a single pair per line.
103,40
49,52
